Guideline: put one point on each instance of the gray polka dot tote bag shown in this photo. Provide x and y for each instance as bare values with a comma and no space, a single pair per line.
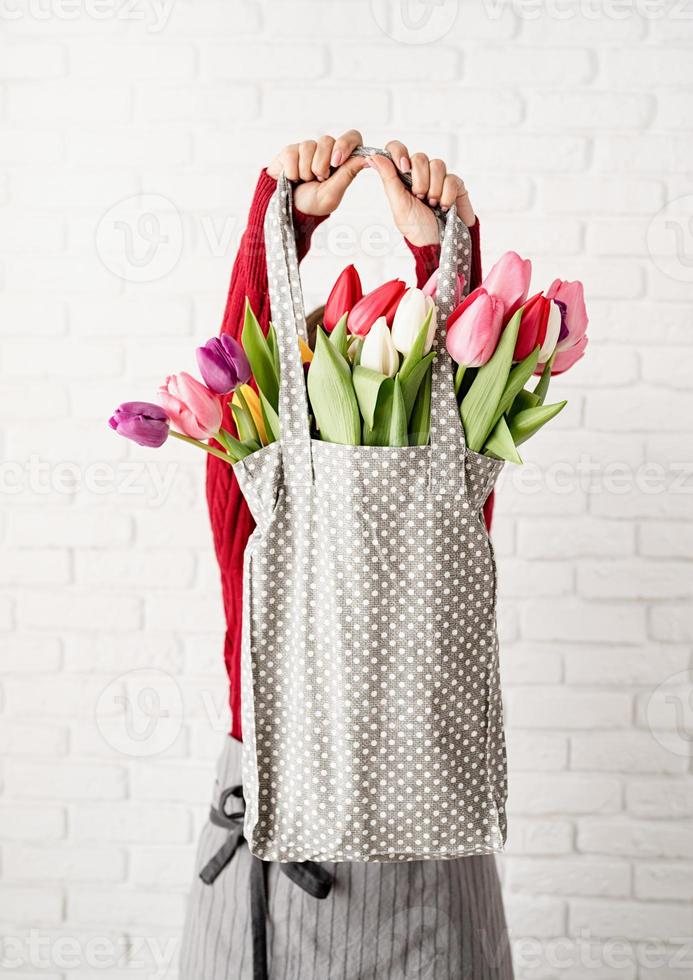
372,716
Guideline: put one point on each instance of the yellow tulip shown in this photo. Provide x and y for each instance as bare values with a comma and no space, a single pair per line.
253,402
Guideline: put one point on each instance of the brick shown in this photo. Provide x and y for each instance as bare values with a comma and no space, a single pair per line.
161,867
660,798
571,621
135,569
22,313
55,528
125,316
569,877
61,190
522,579
35,567
333,108
48,610
671,623
33,61
532,752
183,611
382,63
130,147
22,400
131,822
540,837
674,111
564,793
580,109
632,920
211,19
587,537
618,237
638,839
37,781
462,106
632,323
664,881
635,579
536,917
133,62
666,539
559,707
126,906
64,101
20,905
668,368
531,152
665,66
106,653
252,61
529,663
643,154
54,696
19,822
24,862
30,654
170,783
622,666
198,103
516,66
624,195
43,741
622,752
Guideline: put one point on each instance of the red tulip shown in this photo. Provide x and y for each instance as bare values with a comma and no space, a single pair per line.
382,301
509,281
535,319
474,328
346,293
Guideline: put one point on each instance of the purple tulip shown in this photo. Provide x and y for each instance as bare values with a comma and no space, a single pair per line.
223,364
144,423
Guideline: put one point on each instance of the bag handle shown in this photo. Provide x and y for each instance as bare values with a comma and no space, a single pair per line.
288,315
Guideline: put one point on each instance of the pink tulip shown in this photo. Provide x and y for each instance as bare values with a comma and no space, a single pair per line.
474,328
431,287
509,281
193,409
382,301
572,339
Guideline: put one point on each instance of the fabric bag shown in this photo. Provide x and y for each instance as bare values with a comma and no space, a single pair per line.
372,717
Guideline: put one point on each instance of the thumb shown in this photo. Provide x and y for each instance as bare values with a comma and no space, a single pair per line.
397,194
339,182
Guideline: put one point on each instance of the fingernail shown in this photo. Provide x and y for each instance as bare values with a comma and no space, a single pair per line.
336,158
405,165
433,201
421,196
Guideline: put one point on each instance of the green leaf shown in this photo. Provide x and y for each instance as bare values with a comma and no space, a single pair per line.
526,423
412,383
355,344
379,433
500,443
417,350
542,388
244,422
239,450
260,357
339,337
523,400
332,395
480,404
459,377
274,348
367,385
398,422
420,421
270,417
517,379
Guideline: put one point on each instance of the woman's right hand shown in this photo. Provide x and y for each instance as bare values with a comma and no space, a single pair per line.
308,166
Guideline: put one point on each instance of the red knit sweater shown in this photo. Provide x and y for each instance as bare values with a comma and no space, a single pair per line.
231,521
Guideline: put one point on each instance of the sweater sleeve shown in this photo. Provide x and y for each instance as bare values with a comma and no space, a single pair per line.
426,260
232,523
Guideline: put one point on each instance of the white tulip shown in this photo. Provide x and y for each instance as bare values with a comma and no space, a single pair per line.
553,328
409,318
378,352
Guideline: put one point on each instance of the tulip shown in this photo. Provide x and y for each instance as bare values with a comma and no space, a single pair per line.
144,423
572,339
509,281
378,352
431,287
346,293
412,311
223,364
193,409
474,328
382,301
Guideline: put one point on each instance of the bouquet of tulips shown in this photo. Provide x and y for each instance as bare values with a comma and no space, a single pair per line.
369,373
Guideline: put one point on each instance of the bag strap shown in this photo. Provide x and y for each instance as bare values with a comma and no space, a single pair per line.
288,316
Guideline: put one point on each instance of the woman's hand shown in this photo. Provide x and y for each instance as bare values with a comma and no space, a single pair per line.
309,163
432,185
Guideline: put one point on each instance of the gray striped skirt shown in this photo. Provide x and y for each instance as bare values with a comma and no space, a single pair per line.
429,920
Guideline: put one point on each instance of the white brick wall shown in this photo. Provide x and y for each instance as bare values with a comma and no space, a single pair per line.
572,124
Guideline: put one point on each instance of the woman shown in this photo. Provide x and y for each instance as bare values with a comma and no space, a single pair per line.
248,918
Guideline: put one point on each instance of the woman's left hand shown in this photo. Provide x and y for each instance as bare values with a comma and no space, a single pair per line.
432,185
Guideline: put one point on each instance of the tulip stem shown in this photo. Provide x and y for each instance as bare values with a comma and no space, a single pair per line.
203,445
459,377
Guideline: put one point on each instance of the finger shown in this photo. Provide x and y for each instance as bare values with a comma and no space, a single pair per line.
323,154
345,146
464,205
421,175
451,188
400,154
288,159
306,152
395,191
438,170
336,186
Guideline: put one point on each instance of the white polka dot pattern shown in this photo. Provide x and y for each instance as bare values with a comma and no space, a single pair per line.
372,715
